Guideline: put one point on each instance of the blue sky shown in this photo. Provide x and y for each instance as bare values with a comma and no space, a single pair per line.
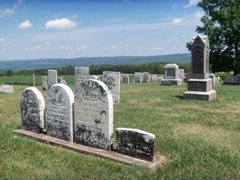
33,29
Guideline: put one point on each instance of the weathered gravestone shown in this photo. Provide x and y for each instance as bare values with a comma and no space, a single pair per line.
113,83
154,77
232,80
52,78
146,77
81,73
200,85
125,79
93,114
181,74
60,112
213,78
44,83
32,109
6,88
171,75
138,77
136,143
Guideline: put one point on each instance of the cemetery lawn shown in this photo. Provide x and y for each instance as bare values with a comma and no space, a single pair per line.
200,139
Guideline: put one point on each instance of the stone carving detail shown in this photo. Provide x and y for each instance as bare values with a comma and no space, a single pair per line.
32,109
113,83
60,112
93,112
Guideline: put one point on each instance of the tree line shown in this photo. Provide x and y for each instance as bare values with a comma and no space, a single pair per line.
153,68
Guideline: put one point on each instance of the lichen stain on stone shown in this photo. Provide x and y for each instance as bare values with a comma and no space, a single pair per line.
91,136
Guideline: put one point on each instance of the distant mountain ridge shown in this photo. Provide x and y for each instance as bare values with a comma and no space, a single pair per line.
87,61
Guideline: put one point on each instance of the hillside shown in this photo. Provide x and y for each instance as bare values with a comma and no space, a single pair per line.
86,61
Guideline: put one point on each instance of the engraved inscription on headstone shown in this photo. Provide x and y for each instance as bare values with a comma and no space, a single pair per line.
136,143
60,112
81,73
52,78
113,83
171,71
93,114
32,109
200,58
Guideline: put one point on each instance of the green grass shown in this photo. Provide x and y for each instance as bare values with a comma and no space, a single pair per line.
200,139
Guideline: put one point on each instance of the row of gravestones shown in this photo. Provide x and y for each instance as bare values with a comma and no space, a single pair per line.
145,77
85,117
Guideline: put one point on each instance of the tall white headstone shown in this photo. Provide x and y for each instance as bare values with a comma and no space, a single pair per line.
32,109
52,78
93,114
60,112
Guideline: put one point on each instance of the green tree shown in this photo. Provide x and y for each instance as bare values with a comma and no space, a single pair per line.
221,23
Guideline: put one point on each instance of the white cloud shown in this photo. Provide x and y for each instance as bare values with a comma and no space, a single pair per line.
25,24
198,14
2,40
10,11
6,12
62,23
177,21
192,3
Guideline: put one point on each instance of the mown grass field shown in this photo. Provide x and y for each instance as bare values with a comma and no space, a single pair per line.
200,139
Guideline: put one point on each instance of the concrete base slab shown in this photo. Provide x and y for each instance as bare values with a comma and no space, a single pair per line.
209,96
158,161
171,82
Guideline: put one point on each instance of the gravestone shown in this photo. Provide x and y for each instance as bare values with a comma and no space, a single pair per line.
146,77
154,77
181,74
32,110
171,75
213,78
138,77
52,78
136,143
81,73
200,85
125,79
94,77
6,89
93,114
232,80
44,83
113,83
60,112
